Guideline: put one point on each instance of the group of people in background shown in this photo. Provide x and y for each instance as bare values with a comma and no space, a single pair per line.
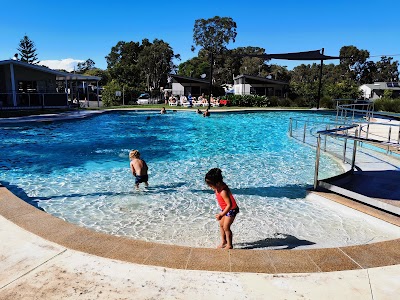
190,100
206,113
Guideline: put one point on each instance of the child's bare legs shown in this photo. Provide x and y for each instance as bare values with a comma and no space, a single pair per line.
222,231
226,233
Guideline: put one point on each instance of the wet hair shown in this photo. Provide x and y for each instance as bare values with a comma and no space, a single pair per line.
134,154
214,176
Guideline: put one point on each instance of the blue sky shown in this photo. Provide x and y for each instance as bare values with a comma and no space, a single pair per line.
80,30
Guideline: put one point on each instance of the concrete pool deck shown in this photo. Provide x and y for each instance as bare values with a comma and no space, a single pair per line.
43,257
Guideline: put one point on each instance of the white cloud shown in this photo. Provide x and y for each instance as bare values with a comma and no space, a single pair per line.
64,64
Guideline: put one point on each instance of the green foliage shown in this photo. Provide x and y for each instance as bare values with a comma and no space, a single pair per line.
155,62
327,102
141,66
214,34
387,104
108,95
105,76
122,63
342,90
302,102
258,101
353,62
388,94
85,66
27,51
194,67
304,84
387,70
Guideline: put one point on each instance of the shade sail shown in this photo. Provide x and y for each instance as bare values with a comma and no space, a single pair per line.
306,55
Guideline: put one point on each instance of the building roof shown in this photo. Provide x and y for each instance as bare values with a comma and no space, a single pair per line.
185,79
259,79
59,74
395,86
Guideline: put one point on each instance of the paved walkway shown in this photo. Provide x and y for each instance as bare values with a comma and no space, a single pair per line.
34,267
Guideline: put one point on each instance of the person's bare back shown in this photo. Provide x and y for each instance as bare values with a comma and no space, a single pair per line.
138,167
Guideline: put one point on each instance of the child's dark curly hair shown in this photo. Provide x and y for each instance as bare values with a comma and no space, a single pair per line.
214,176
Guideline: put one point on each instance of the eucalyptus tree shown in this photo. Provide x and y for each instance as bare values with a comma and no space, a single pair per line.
155,62
85,66
194,67
105,76
353,61
213,35
278,72
122,63
387,70
27,51
304,82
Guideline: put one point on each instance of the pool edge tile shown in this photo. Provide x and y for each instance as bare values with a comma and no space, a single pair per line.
248,261
168,256
208,259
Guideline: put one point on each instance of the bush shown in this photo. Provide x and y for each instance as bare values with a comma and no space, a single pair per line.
327,102
257,101
273,101
108,96
301,102
284,102
129,95
387,104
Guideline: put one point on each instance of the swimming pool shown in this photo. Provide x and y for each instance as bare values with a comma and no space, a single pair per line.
79,171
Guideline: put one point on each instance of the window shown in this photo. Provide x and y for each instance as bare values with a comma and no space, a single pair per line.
27,86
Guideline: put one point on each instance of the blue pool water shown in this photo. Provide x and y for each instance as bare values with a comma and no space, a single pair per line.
79,171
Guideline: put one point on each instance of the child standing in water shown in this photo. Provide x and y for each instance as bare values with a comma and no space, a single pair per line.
139,168
228,205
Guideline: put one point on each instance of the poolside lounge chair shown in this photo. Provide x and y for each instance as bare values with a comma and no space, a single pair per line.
184,101
172,101
197,102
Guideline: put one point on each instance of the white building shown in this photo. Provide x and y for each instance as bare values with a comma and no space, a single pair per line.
375,90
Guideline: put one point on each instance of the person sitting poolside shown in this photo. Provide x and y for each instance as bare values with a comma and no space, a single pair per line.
183,100
214,101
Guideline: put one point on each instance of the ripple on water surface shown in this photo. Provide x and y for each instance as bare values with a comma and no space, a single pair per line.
79,171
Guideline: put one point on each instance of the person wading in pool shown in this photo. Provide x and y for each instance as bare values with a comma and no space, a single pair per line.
228,205
139,168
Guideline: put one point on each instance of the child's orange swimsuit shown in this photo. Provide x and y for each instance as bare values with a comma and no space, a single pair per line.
234,209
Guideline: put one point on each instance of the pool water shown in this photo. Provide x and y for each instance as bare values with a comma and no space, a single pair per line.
79,171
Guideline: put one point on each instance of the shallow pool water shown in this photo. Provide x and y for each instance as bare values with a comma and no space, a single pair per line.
79,171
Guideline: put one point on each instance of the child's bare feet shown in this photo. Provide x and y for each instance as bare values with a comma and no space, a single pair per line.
221,246
228,247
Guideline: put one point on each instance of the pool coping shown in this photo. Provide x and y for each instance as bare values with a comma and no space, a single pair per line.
82,239
128,250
